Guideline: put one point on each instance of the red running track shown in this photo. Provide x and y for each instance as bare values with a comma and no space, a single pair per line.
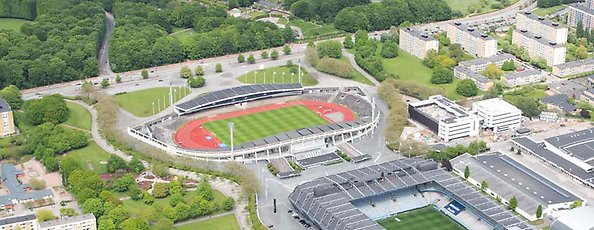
193,136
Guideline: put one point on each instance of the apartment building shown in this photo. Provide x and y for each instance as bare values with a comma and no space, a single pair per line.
583,12
80,222
26,222
482,82
416,42
574,67
445,118
522,77
549,30
480,64
6,116
497,115
472,40
539,47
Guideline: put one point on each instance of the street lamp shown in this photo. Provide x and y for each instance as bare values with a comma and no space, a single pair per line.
231,126
273,73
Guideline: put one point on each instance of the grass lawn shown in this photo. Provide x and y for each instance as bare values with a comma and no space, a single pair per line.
227,222
183,34
546,11
140,103
311,30
462,5
427,218
11,24
307,79
79,117
410,68
531,93
257,14
358,76
259,125
89,157
283,21
137,207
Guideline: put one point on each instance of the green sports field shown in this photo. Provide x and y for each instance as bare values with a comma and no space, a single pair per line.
427,218
259,125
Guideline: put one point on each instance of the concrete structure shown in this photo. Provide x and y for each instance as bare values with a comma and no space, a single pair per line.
480,64
538,47
497,115
444,117
472,40
574,67
549,30
583,12
26,222
575,219
7,117
507,178
80,222
18,193
482,82
416,42
522,77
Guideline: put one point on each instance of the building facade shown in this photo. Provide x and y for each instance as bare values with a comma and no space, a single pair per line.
26,222
497,114
574,67
80,222
417,43
482,82
480,64
7,128
583,12
549,30
522,77
472,40
538,47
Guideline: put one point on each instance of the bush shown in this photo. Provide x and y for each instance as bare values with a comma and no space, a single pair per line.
160,190
272,169
196,82
185,72
264,55
335,67
251,59
199,71
274,55
287,49
240,58
36,184
442,76
390,50
467,88
145,74
416,89
218,68
332,49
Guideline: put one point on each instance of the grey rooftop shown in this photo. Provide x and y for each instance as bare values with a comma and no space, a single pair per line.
559,100
574,64
67,220
522,74
540,39
17,219
473,31
418,34
487,60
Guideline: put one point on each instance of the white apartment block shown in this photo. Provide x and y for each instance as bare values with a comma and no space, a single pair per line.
497,114
7,127
472,40
80,222
538,47
26,222
522,77
549,30
480,64
445,118
574,67
583,12
417,43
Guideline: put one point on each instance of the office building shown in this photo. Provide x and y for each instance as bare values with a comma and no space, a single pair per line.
80,222
26,222
583,12
482,82
549,30
538,47
522,77
574,67
417,43
472,40
497,115
444,117
7,128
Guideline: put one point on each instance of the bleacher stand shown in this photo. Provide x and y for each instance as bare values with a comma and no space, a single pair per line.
284,169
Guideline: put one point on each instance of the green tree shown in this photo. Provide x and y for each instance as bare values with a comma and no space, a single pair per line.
484,185
576,204
45,215
51,108
199,71
218,68
185,72
442,76
508,65
539,211
68,212
348,42
123,183
145,74
264,55
513,203
104,83
116,163
287,49
466,172
581,52
135,165
163,224
331,48
274,55
160,190
240,58
205,191
492,71
134,224
176,199
251,59
390,49
228,204
467,88
93,205
118,79
134,191
12,95
147,198
196,82
529,107
106,223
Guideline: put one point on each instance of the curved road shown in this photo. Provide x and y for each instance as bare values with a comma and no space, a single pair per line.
104,67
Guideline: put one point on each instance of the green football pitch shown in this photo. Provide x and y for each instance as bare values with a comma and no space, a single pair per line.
263,124
427,218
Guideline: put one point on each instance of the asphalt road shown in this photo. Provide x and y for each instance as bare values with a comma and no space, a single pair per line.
104,67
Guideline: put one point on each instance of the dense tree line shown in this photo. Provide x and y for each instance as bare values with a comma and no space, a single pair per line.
320,10
398,114
51,108
380,16
551,3
48,140
60,45
25,9
141,38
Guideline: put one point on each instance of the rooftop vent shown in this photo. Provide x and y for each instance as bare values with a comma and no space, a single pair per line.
457,23
540,18
424,35
537,36
527,12
553,43
555,24
523,31
484,35
471,29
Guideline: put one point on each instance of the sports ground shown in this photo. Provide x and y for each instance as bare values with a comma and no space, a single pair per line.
258,122
427,218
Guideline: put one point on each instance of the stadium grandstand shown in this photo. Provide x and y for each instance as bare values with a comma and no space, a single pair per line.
308,124
358,198
571,153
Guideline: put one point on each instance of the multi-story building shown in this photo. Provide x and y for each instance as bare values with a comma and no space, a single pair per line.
417,43
7,128
497,115
588,96
19,193
522,77
26,222
583,12
539,47
472,40
574,67
482,82
80,222
444,117
549,30
480,64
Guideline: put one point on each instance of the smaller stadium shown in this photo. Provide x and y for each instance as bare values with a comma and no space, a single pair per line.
265,122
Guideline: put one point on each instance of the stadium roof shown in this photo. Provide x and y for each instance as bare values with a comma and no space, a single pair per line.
327,200
508,178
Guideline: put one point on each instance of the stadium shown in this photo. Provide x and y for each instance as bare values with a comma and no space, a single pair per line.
410,193
264,122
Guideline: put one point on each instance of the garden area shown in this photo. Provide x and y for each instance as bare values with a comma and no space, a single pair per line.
226,222
91,157
546,11
468,7
280,74
140,103
12,24
312,30
184,35
79,117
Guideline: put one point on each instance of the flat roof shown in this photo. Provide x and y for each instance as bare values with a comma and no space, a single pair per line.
472,74
574,64
451,111
579,144
418,34
582,6
17,219
542,20
475,32
559,100
495,105
539,39
487,60
67,220
521,74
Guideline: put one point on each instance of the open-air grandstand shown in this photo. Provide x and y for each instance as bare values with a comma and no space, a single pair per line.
308,144
356,199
